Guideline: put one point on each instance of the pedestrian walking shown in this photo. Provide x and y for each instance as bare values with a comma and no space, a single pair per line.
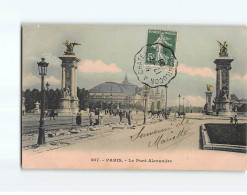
101,118
235,119
90,118
129,118
121,115
78,119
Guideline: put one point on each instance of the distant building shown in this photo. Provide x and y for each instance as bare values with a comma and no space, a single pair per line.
125,93
239,105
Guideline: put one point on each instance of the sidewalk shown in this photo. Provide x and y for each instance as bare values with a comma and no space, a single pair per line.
126,143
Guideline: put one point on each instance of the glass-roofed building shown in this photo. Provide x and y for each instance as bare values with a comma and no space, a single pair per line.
124,93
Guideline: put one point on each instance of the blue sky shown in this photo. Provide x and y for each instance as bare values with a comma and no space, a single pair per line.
107,54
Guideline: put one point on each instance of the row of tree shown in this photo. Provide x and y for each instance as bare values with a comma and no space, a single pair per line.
52,98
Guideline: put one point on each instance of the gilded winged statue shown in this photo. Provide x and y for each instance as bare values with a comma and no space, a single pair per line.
209,87
70,47
223,49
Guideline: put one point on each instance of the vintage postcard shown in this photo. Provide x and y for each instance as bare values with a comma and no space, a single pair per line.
134,97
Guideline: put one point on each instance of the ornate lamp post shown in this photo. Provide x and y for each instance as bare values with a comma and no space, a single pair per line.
47,89
111,98
42,66
129,102
111,101
146,91
179,102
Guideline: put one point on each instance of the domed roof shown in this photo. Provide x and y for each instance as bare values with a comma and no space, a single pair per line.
112,87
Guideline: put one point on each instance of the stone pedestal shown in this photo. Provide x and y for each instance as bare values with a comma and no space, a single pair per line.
222,100
36,109
69,81
208,101
74,103
65,107
225,108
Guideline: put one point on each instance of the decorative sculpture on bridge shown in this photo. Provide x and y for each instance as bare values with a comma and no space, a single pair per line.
223,49
70,47
69,100
65,92
209,87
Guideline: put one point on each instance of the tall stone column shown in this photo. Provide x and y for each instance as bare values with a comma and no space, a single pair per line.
75,82
69,101
72,82
222,100
209,100
218,82
63,77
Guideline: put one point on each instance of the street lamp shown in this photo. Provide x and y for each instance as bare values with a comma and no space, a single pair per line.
47,89
42,67
111,101
166,103
183,104
188,106
129,102
146,91
111,98
179,102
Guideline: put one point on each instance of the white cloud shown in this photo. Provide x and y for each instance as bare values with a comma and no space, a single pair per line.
207,72
195,100
236,76
202,71
97,67
30,80
34,80
52,80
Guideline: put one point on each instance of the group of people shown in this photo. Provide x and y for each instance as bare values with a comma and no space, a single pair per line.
99,120
125,114
91,117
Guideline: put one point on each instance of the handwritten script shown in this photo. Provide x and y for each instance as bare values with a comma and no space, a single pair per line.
165,137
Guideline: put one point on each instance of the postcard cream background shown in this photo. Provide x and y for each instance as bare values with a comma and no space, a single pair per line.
13,13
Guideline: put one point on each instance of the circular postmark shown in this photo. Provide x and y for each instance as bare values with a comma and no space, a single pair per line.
155,65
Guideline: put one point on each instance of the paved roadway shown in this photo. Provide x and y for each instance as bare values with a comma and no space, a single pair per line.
30,123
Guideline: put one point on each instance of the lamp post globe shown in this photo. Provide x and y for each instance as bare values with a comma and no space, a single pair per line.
42,67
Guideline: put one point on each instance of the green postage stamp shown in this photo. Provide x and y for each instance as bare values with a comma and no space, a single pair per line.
156,64
161,46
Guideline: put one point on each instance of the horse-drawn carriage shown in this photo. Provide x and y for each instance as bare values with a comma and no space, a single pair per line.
51,114
179,114
158,113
